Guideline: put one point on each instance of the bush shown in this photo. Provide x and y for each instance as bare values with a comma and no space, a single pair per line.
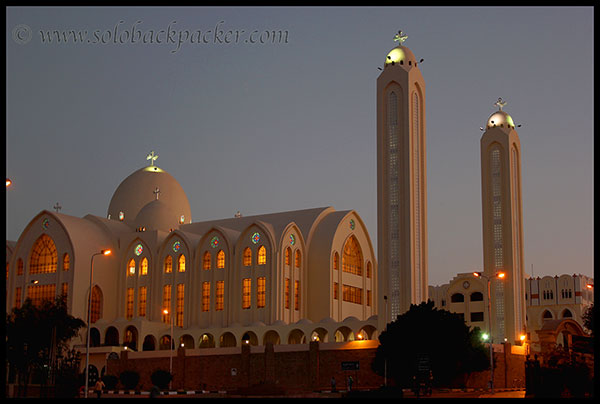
161,378
110,381
129,379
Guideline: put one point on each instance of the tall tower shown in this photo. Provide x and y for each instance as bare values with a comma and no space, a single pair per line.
503,224
401,183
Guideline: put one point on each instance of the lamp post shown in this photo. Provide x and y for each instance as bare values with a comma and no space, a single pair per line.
498,275
166,312
87,345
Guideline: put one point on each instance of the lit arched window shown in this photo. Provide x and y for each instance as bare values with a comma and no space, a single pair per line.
131,267
168,264
288,256
247,261
96,306
181,266
297,259
352,259
336,261
221,259
206,260
43,256
144,266
66,262
369,269
262,255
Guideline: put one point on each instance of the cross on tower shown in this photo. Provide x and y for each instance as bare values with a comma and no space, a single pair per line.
400,37
57,207
156,192
500,103
152,156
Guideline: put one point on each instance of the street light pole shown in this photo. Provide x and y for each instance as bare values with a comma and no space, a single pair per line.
165,311
498,275
87,345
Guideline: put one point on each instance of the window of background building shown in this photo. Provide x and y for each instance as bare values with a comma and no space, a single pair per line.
168,264
221,259
261,284
206,261
220,296
246,290
262,255
43,256
247,258
205,296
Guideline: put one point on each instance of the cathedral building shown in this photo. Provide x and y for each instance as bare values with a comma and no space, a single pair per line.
287,277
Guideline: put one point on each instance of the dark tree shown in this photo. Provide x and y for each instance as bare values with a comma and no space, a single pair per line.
588,319
36,337
435,339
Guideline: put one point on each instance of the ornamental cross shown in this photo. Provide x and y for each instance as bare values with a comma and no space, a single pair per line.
400,37
57,207
156,192
500,103
151,156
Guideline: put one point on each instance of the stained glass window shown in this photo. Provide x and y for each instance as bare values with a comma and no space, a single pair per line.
206,261
221,259
255,238
45,224
43,256
144,266
352,224
176,246
168,264
131,267
139,249
214,242
292,239
247,259
181,266
220,296
262,255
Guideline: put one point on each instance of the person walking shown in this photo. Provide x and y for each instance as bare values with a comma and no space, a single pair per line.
350,383
98,388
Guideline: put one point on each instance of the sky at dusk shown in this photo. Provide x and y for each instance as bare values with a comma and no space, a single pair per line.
273,109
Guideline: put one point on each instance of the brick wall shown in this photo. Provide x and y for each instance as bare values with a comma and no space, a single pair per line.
293,368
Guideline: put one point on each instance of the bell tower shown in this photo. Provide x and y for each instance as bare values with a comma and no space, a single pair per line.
401,183
503,224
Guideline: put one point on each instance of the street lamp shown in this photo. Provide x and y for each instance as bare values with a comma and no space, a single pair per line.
8,182
166,312
499,275
87,346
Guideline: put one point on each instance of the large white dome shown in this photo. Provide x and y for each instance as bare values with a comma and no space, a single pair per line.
139,189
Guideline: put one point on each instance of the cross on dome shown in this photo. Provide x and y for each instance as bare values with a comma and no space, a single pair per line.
156,192
152,156
400,37
500,103
57,207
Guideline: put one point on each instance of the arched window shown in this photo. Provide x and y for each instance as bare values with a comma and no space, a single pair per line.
547,315
352,259
181,266
144,266
476,297
96,306
567,314
457,298
221,259
247,260
131,267
297,259
336,261
43,256
66,262
288,256
262,255
168,264
206,258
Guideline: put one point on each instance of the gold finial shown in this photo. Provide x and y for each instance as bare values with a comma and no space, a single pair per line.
400,37
152,156
500,103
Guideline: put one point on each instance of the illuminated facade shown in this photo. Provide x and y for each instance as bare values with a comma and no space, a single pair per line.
401,183
285,278
503,224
